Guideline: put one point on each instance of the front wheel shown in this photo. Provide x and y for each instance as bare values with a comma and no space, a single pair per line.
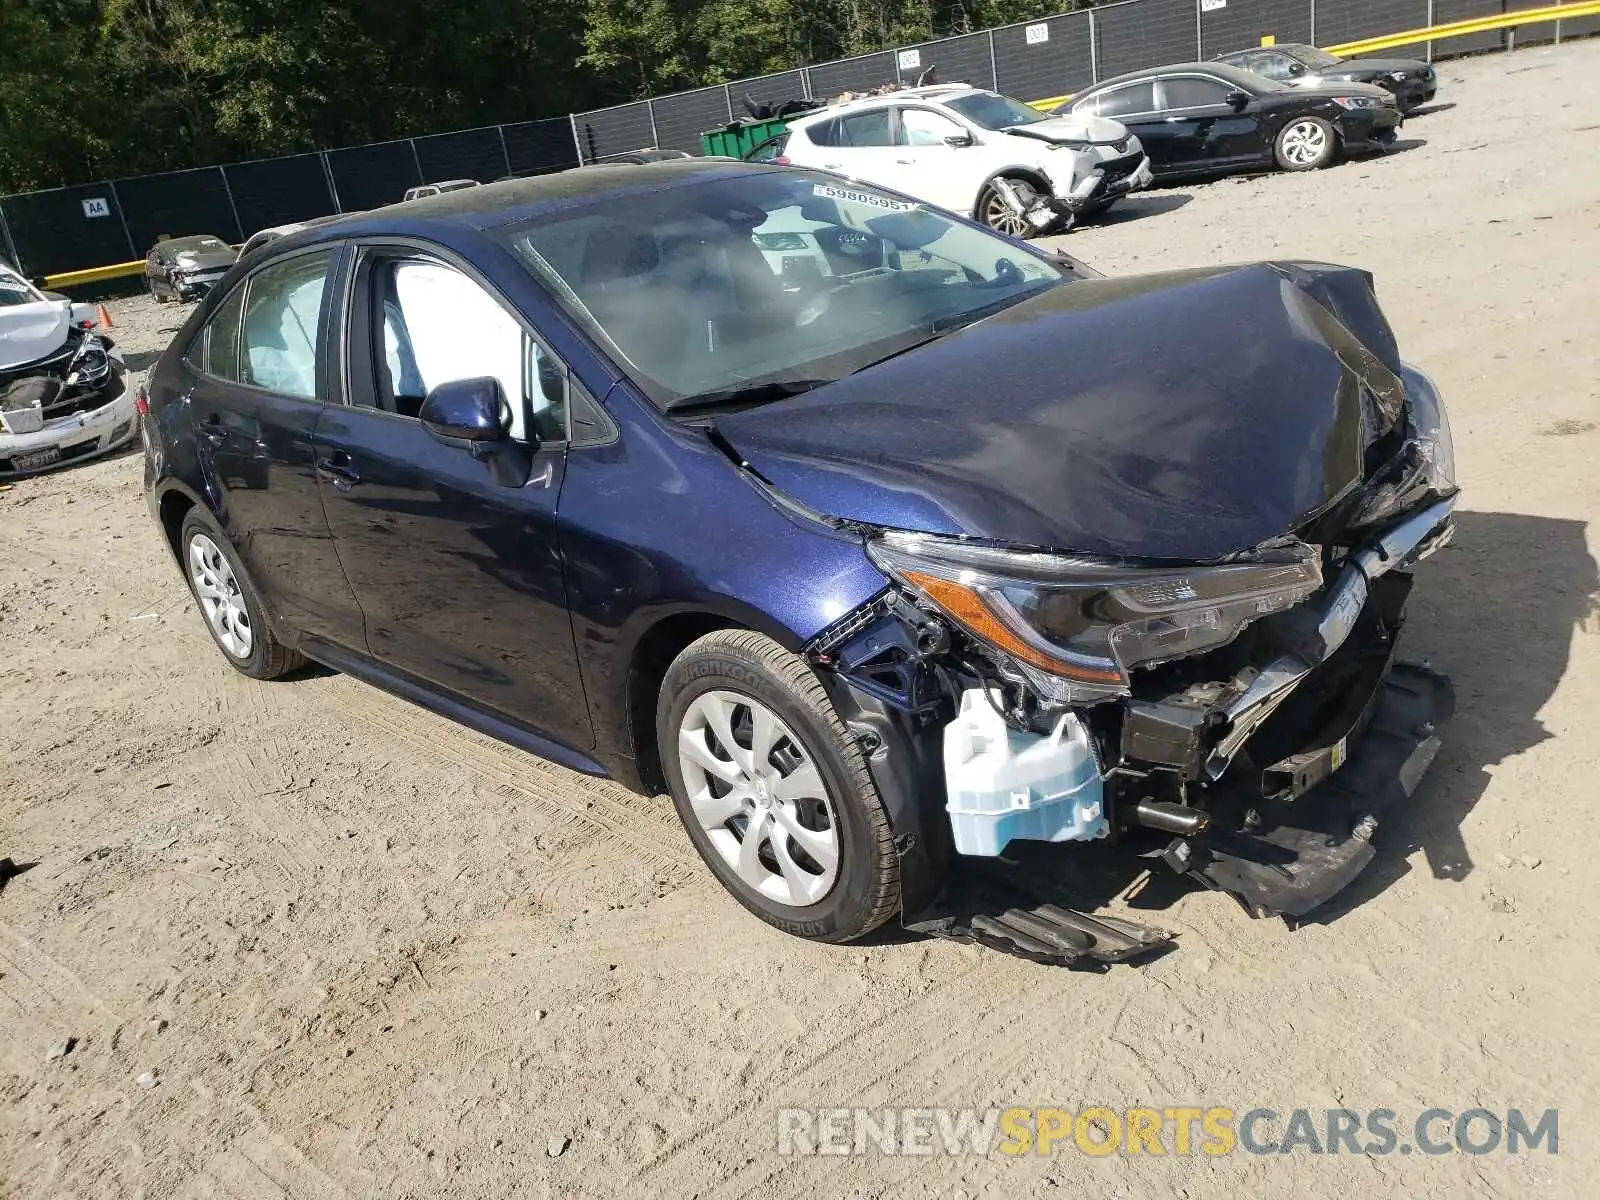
773,789
1305,144
994,212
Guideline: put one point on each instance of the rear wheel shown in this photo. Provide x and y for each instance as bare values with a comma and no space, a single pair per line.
773,790
229,605
1305,144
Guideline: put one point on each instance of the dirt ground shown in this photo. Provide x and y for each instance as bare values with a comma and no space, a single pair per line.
311,942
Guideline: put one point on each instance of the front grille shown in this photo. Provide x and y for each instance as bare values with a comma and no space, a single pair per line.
1120,168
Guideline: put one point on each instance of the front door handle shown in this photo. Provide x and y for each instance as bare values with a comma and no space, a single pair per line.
906,162
337,469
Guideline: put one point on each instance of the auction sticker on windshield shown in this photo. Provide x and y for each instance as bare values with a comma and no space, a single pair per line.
839,193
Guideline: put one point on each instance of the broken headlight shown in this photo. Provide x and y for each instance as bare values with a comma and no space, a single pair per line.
1427,463
91,365
1076,627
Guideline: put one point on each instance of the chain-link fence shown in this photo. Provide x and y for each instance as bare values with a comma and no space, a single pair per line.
77,228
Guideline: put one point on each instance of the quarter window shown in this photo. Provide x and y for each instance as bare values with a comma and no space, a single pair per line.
216,350
278,338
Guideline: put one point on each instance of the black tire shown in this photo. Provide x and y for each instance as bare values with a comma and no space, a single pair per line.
996,214
866,889
267,658
1284,146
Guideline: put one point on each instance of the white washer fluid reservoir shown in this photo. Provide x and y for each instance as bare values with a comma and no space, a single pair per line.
1002,784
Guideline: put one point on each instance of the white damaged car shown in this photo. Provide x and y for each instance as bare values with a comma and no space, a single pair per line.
976,153
63,390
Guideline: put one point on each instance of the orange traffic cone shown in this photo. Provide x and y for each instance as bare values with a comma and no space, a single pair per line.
105,317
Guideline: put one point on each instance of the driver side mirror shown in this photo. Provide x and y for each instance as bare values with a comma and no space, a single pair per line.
40,282
1237,100
958,140
466,410
1297,68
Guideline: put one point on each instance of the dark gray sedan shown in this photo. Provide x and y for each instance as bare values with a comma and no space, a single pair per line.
1412,81
185,268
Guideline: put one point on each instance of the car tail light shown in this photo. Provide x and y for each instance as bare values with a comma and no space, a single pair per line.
141,402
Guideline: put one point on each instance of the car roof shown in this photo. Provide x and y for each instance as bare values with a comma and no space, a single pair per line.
1221,70
490,205
938,91
190,239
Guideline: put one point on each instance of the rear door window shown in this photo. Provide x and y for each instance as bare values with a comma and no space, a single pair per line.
1129,100
866,129
1191,92
278,335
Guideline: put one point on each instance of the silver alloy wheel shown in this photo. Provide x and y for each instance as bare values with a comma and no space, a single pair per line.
756,792
997,214
1305,142
220,598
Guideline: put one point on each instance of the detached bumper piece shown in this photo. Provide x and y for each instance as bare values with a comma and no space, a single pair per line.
1285,857
1016,916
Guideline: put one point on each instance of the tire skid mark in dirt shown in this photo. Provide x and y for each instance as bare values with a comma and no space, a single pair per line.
1052,1020
554,791
35,983
904,1026
260,1163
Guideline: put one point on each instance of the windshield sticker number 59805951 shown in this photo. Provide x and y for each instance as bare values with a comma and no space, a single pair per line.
833,192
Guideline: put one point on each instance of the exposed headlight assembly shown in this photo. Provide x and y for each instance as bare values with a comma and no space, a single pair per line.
1358,102
1427,463
91,365
1076,627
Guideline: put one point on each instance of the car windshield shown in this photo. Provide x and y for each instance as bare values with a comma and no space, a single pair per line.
15,291
988,110
190,245
1312,57
747,288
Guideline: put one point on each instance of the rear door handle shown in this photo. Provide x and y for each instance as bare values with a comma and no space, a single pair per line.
336,469
906,162
213,430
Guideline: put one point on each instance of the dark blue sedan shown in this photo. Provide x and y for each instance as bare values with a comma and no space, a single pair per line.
881,541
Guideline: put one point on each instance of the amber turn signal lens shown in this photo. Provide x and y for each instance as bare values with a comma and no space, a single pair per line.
967,606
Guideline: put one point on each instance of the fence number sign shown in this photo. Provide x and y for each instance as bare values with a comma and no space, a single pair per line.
1212,5
1041,33
96,206
910,60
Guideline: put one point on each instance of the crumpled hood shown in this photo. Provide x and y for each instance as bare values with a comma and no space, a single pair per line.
1365,68
1186,415
1073,129
205,260
1325,86
31,331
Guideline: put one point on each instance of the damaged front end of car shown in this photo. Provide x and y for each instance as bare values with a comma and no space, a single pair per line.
70,404
1245,721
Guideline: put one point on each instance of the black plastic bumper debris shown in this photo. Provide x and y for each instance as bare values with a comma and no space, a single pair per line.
1288,857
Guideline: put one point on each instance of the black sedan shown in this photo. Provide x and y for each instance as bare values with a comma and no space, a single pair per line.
1412,81
1211,118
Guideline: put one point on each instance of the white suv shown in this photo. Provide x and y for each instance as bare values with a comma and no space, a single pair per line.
976,153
